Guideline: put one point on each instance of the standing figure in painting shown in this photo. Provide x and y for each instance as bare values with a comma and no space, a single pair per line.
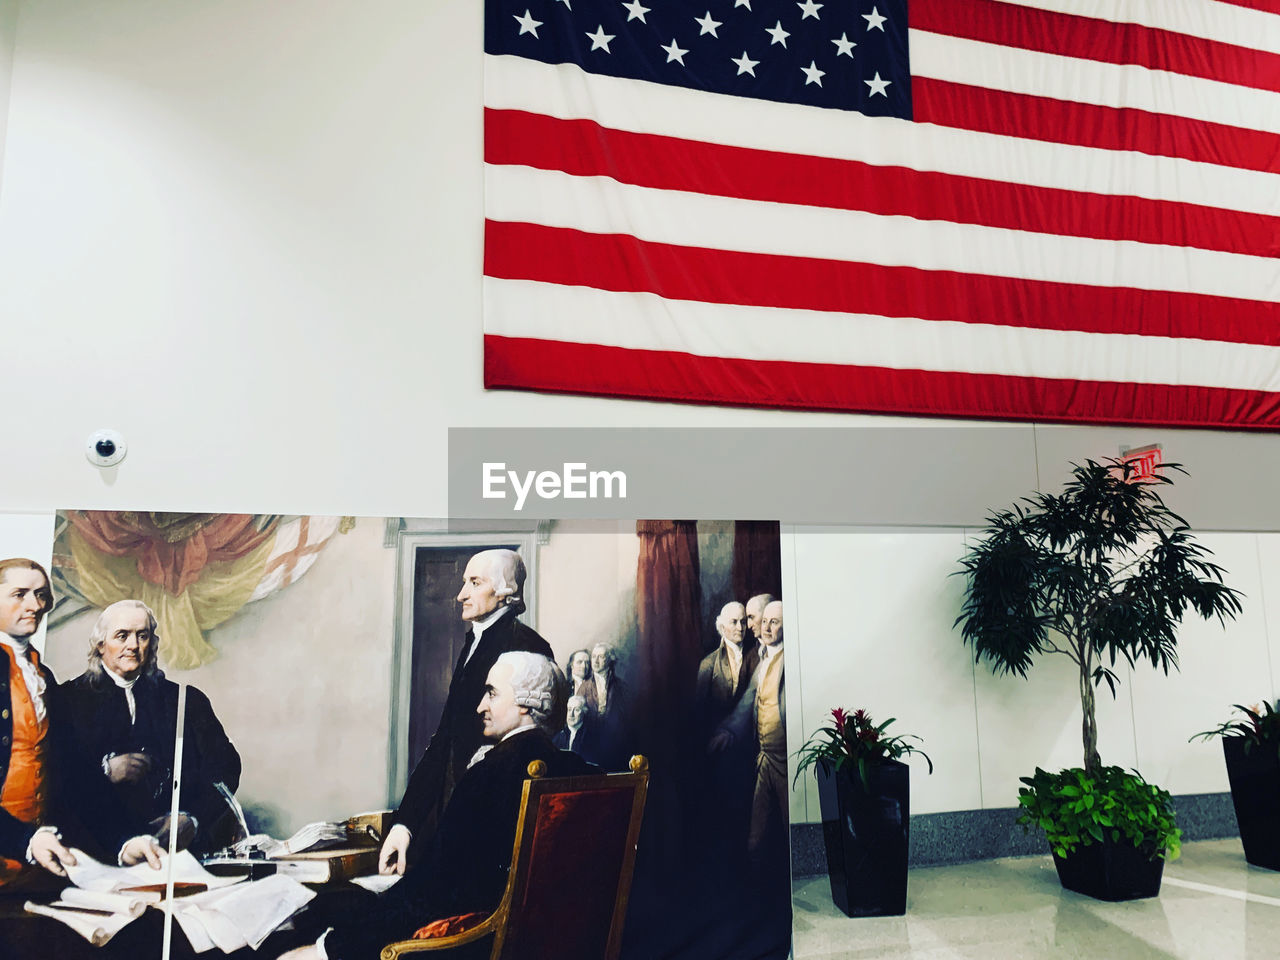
492,596
603,689
755,607
769,822
760,719
608,704
464,868
28,695
725,672
578,669
122,715
724,678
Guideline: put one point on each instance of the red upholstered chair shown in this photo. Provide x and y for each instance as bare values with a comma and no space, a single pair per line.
571,866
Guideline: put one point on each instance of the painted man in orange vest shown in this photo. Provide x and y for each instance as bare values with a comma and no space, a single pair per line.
26,688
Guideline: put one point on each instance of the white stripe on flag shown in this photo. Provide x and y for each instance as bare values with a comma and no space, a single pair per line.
1222,22
566,91
642,321
1038,74
603,205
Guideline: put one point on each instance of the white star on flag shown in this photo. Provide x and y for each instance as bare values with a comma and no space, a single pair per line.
528,25
674,53
877,86
812,74
779,35
745,64
810,9
844,46
708,25
600,39
635,11
741,3
874,20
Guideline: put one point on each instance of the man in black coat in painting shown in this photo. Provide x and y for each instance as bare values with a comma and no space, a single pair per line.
121,715
464,868
492,596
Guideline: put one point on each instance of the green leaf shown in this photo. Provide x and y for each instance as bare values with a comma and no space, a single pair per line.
1112,802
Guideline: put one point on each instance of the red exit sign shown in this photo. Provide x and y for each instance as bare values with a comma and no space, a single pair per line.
1143,461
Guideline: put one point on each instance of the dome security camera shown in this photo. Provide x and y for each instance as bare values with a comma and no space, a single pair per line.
105,448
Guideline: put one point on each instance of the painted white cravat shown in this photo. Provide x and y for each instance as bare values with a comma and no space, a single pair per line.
478,627
127,686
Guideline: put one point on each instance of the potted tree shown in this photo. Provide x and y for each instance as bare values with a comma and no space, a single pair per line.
1252,751
864,791
1100,573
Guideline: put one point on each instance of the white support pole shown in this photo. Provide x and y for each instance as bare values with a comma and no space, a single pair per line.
173,820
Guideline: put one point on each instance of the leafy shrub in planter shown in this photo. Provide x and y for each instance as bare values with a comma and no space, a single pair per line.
1075,808
1102,573
1251,748
1261,729
854,740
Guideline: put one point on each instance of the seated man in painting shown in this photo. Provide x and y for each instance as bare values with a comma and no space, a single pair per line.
465,867
576,734
122,718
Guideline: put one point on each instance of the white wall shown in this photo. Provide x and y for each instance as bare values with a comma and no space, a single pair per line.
870,625
272,213
8,38
586,584
29,535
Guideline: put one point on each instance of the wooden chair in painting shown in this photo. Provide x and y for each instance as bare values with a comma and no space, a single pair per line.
537,918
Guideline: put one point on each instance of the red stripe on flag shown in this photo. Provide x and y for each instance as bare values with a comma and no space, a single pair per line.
523,251
585,148
1086,38
1109,128
559,367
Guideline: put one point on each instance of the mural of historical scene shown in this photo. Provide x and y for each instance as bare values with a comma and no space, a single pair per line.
332,667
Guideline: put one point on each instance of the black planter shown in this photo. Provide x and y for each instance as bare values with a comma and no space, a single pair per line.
1110,871
865,830
1255,791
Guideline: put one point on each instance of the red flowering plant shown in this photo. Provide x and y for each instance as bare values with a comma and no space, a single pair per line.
1261,728
854,740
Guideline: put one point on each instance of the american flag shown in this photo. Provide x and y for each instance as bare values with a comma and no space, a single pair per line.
1045,209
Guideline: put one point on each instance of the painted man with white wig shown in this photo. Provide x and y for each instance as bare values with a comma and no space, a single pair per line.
577,734
464,869
755,607
492,597
724,673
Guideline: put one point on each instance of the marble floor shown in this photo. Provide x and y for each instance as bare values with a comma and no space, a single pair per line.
1212,905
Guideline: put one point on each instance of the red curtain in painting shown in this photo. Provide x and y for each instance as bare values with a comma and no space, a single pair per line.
668,605
757,558
668,649
171,549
